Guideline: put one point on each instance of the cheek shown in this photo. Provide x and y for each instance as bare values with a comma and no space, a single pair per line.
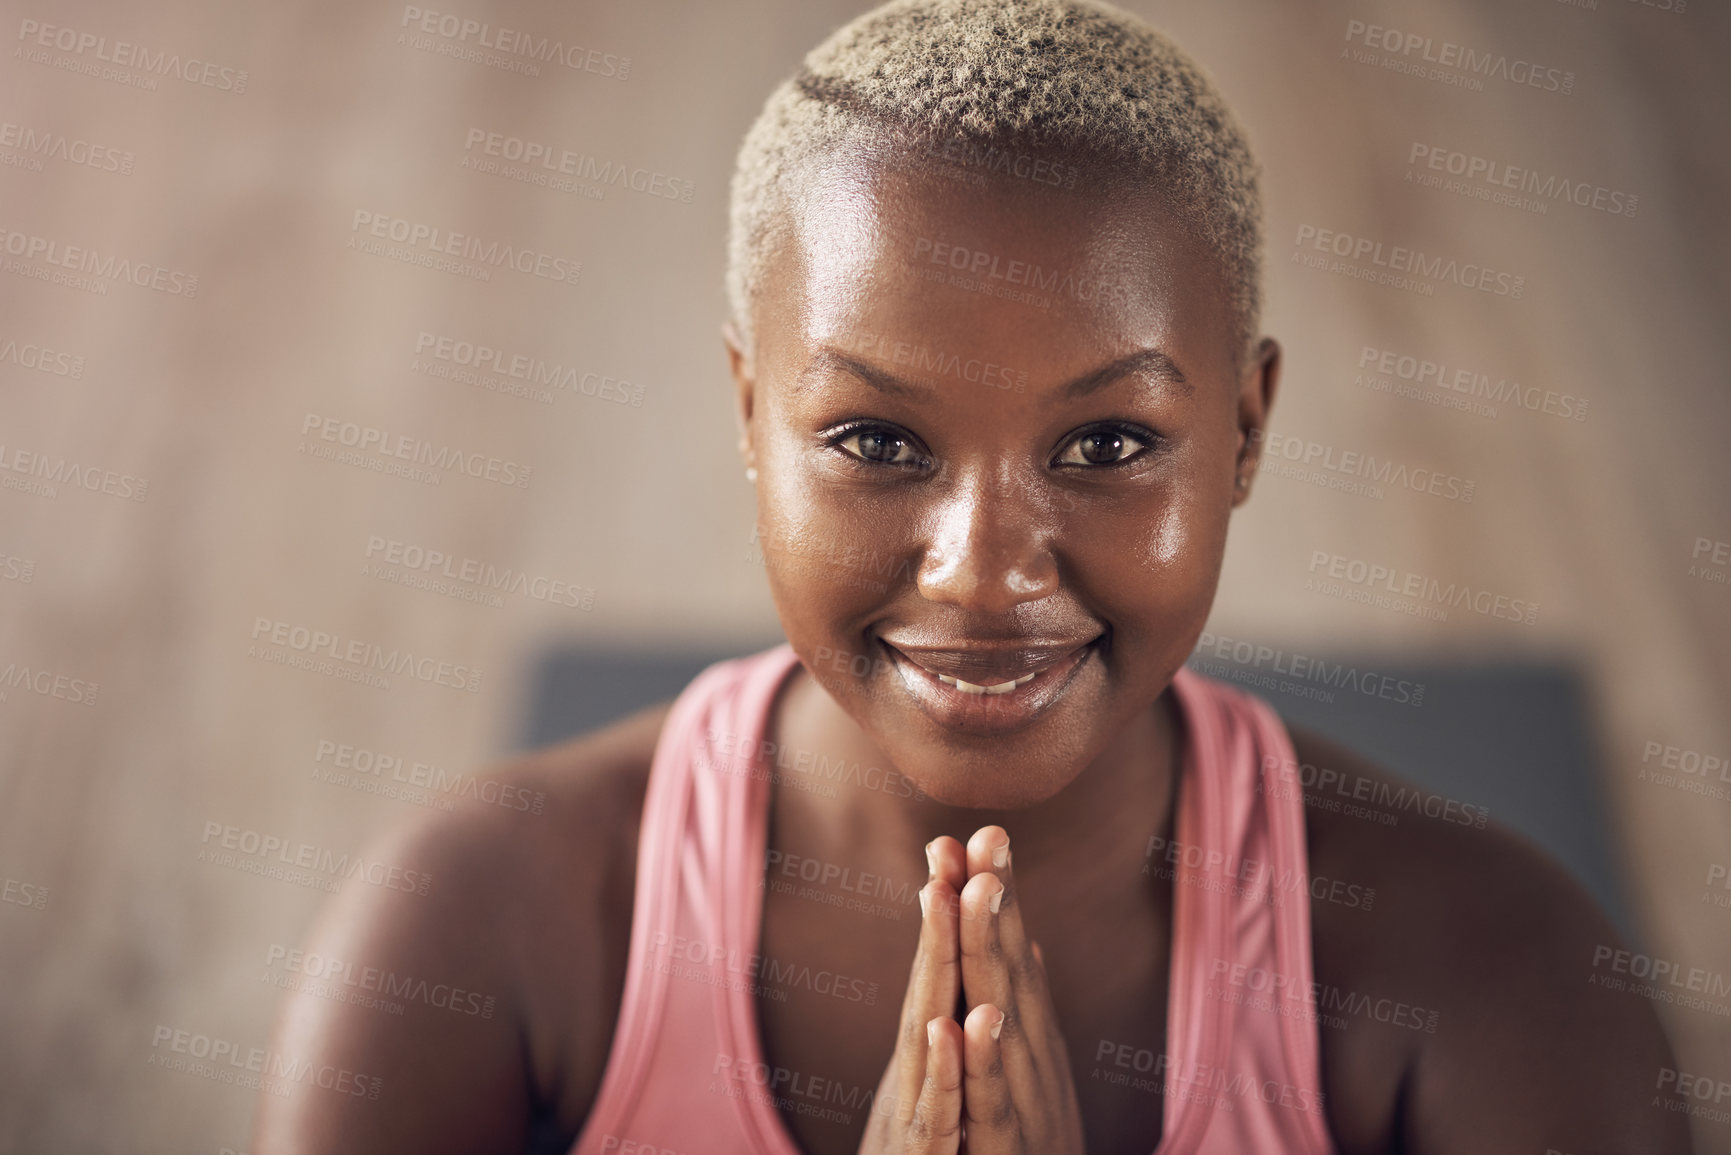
1183,542
830,556
1153,570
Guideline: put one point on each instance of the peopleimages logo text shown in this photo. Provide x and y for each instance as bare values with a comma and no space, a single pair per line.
125,55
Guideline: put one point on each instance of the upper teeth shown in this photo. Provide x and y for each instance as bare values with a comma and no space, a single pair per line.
1000,688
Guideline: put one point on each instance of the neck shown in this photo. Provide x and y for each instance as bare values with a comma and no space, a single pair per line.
1095,828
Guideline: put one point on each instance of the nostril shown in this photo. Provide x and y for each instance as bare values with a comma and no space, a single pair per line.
986,551
977,580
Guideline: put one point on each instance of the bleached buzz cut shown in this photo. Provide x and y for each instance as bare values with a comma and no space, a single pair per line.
988,79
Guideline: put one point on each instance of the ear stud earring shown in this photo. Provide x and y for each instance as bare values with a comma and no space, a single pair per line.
751,473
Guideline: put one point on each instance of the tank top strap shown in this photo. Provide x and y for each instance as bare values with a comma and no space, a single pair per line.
695,913
1244,1058
738,895
1197,1029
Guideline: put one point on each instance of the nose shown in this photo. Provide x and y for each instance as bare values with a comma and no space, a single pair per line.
989,550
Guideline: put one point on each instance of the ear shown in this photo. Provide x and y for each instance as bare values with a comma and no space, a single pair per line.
744,389
1256,391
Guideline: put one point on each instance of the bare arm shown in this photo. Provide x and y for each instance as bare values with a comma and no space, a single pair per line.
1507,1045
429,1013
1531,1054
484,1008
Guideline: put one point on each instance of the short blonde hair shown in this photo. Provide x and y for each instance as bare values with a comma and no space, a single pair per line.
984,78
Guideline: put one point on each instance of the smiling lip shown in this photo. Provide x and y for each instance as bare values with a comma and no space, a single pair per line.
984,665
1007,689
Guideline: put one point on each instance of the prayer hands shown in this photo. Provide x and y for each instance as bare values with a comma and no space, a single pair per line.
998,1082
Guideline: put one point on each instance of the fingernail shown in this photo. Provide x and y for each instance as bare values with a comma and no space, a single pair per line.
996,900
1001,856
932,1033
932,858
997,1027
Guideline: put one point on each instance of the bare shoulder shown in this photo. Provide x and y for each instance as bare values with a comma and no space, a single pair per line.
477,1007
552,871
1462,1005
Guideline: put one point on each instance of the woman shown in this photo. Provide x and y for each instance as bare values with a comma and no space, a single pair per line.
994,276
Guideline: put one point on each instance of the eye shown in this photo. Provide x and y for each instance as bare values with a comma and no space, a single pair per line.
878,445
1106,445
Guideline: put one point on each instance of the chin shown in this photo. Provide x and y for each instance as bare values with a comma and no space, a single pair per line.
952,782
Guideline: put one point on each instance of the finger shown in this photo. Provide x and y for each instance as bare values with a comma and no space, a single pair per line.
986,981
989,850
1040,984
933,983
988,1105
947,859
936,1128
985,978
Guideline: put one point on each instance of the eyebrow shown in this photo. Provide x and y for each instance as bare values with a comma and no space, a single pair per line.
1147,362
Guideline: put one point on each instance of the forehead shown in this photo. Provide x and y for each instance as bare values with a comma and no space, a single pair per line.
930,254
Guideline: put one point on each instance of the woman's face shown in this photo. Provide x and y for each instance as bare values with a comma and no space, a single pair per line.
997,434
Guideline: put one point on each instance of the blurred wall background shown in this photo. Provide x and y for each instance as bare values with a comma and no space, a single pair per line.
196,314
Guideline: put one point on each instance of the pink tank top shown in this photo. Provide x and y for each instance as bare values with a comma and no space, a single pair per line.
1241,1073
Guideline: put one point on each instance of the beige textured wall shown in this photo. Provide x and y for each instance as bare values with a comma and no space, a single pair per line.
639,505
